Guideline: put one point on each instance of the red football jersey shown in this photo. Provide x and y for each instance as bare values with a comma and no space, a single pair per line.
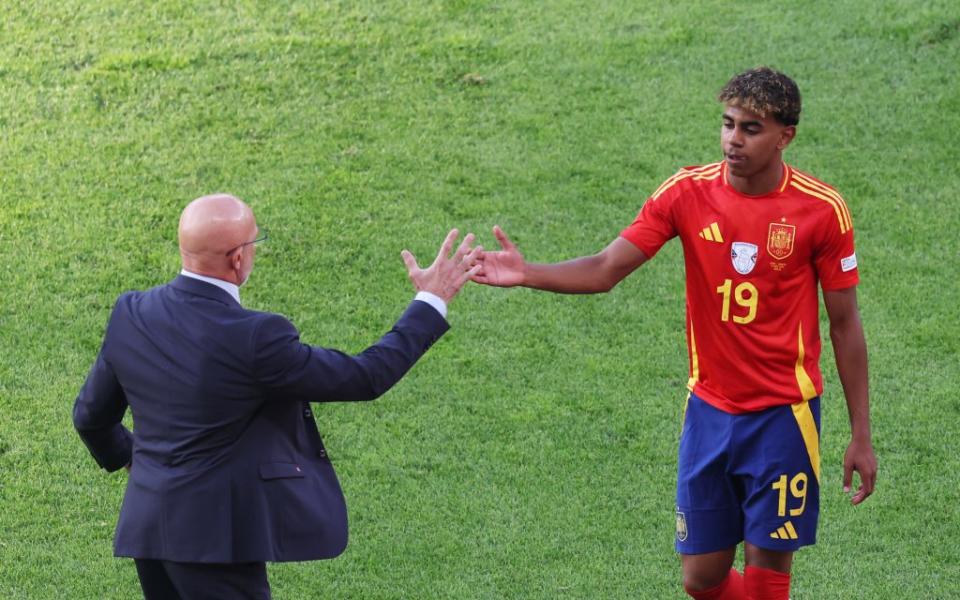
753,263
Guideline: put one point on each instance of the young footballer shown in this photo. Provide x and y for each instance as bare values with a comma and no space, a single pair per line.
758,237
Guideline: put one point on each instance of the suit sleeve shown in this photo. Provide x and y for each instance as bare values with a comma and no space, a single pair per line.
299,371
97,415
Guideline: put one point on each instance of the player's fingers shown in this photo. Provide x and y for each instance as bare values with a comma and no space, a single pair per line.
505,242
410,261
860,496
847,477
447,244
869,480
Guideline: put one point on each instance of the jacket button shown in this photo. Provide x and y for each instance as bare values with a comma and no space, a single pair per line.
322,453
306,413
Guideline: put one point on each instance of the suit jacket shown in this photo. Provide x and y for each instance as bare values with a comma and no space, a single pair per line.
228,465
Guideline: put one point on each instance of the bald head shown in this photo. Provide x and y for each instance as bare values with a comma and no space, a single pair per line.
212,232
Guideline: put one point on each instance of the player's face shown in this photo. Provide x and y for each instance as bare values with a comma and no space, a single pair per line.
751,143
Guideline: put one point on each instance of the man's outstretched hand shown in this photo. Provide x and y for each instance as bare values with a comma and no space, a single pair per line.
447,274
504,268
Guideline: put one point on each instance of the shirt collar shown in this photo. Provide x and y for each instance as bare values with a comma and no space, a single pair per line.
230,288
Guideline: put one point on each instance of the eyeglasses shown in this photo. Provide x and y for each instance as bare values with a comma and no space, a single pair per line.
262,237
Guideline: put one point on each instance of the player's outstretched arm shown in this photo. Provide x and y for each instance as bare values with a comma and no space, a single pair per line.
585,275
850,349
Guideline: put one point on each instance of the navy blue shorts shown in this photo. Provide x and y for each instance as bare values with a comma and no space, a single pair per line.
752,476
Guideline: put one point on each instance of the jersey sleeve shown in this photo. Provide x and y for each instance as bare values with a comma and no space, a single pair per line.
654,225
835,258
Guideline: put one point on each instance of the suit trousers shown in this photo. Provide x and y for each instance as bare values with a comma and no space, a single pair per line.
168,580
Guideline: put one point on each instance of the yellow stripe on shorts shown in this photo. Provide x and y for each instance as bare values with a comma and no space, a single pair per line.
808,429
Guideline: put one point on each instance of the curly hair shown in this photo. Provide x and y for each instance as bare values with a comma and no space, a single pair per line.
765,92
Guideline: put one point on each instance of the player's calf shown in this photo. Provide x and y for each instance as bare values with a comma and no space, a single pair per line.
766,584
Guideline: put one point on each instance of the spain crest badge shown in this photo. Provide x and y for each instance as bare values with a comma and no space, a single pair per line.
780,240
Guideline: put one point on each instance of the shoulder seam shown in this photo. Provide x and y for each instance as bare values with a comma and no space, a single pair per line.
831,198
702,168
827,189
811,182
708,172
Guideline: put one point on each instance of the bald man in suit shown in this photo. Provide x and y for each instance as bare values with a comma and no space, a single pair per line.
227,470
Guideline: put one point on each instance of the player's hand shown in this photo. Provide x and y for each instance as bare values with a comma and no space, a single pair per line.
447,275
859,458
504,268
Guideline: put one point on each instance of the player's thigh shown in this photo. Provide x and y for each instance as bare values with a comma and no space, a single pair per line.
779,466
709,517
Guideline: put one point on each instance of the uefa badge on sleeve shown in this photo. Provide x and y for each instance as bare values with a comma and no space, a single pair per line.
849,263
681,526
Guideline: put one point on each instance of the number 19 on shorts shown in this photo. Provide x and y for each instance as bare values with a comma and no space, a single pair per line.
798,491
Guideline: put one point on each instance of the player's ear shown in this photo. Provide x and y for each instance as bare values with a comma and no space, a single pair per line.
786,136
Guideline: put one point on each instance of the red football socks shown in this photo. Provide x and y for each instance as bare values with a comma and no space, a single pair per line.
730,588
766,584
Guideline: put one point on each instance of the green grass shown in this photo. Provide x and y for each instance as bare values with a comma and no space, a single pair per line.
532,453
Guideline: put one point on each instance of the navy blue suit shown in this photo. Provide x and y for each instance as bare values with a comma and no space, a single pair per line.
227,463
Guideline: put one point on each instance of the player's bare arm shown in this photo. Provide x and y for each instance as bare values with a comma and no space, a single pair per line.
850,349
585,275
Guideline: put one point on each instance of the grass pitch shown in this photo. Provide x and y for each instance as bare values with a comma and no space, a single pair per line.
531,454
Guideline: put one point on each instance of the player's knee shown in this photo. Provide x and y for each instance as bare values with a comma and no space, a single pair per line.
698,580
705,571
763,558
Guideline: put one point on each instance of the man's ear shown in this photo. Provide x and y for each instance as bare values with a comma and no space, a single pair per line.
786,136
235,260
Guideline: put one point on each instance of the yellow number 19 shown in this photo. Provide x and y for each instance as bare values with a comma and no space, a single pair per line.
798,489
741,298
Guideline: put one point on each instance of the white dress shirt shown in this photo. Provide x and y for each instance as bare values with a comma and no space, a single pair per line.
230,288
234,290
